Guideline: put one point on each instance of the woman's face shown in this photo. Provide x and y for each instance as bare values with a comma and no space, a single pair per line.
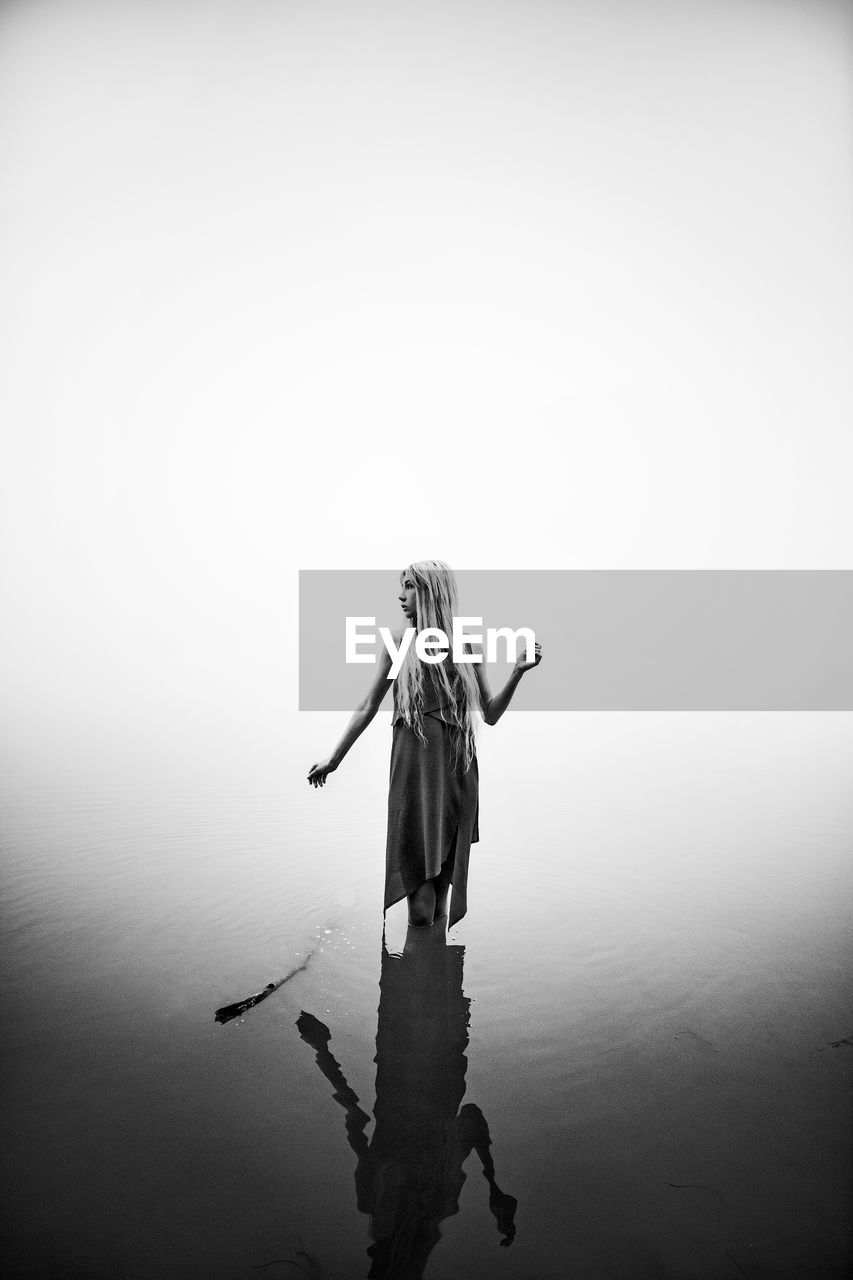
407,599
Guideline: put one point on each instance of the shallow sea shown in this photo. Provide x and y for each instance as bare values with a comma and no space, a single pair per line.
632,1058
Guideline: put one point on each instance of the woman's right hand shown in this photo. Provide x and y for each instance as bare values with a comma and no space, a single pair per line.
318,772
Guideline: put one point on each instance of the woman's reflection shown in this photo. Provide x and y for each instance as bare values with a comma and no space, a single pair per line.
409,1174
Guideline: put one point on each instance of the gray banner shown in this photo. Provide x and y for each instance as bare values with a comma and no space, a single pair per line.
615,640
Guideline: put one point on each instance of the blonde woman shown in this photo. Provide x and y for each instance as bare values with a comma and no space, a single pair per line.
433,799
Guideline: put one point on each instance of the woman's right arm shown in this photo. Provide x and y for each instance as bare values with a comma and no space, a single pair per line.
361,718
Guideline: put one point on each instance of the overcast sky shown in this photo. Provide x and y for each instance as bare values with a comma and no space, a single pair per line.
298,285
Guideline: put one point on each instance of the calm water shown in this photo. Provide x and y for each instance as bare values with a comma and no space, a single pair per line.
625,1062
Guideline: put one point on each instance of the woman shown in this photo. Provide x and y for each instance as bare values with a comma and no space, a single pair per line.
433,800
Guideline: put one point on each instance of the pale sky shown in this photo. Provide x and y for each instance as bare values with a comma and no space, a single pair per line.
297,285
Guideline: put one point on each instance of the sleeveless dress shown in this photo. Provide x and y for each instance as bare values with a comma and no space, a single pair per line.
433,810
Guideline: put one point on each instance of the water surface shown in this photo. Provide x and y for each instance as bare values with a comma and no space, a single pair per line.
631,1058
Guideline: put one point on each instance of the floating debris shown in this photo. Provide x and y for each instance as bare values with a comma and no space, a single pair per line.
836,1044
236,1010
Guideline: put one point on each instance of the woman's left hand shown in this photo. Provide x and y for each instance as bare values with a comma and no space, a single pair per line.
318,772
521,663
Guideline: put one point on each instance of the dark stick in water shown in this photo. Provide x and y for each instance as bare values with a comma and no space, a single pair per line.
836,1044
229,1011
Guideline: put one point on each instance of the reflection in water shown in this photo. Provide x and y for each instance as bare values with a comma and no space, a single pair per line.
409,1175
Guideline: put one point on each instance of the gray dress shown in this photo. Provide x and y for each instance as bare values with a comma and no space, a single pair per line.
433,811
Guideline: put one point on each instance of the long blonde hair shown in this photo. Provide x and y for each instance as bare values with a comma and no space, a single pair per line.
435,604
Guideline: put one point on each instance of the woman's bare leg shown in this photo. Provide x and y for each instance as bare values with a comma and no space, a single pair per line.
443,881
428,903
442,884
422,904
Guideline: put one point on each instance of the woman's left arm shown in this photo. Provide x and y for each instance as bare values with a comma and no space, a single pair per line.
495,705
